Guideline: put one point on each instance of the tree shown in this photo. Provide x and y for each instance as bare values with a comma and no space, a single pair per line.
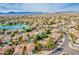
9,51
48,31
21,39
50,44
44,35
39,46
74,38
28,30
37,37
61,34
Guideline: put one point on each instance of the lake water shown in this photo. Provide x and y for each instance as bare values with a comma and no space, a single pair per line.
14,27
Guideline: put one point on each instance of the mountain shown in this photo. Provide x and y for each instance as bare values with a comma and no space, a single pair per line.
37,12
68,12
22,13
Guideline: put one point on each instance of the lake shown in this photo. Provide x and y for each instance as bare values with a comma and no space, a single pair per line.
14,27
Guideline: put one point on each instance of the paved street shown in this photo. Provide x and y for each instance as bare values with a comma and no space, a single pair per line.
65,48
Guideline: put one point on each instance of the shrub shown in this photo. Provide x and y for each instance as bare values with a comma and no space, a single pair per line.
28,30
21,39
9,51
13,34
50,44
39,46
44,35
48,31
73,37
1,45
14,43
37,37
61,34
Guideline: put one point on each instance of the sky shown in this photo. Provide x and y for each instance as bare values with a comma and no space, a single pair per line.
38,7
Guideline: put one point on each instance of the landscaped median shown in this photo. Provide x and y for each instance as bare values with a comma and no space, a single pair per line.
71,45
47,52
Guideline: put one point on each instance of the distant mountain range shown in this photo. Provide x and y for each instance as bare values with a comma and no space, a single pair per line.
22,13
37,12
68,12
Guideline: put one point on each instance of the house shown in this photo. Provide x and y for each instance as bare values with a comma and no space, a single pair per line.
76,33
4,49
43,43
56,36
19,50
30,48
7,38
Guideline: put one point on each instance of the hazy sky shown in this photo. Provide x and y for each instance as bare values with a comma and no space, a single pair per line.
38,7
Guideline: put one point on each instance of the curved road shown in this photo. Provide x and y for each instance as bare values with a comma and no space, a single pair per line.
65,48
